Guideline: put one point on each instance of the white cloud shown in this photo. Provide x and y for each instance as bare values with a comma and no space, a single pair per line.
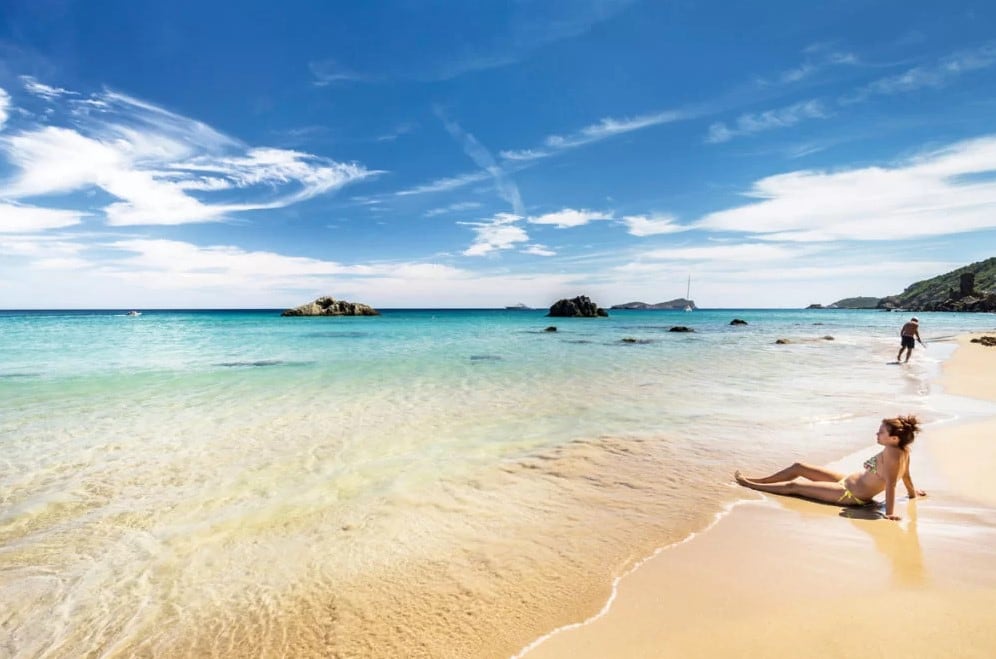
569,217
4,107
161,167
538,250
652,225
937,193
749,124
15,218
501,232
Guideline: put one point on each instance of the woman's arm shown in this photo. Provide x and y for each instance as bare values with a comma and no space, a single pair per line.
891,463
911,491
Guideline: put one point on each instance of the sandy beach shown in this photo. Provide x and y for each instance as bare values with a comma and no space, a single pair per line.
782,577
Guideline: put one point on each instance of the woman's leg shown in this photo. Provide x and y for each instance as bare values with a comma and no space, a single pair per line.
803,470
821,491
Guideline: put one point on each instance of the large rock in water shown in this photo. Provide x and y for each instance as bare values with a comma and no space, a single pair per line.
326,306
581,306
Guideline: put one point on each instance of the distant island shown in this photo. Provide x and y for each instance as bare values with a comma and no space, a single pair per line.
969,288
677,303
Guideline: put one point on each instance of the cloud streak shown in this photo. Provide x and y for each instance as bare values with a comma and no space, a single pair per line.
934,76
505,186
603,129
749,124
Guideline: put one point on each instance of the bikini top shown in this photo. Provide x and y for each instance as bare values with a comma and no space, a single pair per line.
871,464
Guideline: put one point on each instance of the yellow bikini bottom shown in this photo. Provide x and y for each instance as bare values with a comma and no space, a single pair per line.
847,498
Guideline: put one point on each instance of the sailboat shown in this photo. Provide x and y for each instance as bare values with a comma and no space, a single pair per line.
688,290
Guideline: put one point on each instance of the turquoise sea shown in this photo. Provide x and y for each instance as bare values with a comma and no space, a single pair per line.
422,483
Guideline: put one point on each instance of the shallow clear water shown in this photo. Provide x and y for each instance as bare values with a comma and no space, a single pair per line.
421,483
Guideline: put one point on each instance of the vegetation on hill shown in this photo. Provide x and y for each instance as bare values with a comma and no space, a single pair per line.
856,303
943,293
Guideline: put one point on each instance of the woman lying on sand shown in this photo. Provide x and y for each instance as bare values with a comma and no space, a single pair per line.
881,472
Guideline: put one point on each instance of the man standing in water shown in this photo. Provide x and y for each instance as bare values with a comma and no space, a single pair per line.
909,335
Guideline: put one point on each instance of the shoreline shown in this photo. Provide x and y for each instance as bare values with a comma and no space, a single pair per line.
773,572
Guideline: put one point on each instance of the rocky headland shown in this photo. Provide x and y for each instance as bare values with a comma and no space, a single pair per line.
969,288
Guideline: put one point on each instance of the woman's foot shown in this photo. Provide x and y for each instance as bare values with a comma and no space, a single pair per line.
741,479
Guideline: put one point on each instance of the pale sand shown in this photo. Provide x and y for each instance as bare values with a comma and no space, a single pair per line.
783,577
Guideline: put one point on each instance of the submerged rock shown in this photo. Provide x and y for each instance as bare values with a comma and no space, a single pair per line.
681,328
738,321
326,306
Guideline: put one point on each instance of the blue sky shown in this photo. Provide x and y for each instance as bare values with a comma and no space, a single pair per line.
422,153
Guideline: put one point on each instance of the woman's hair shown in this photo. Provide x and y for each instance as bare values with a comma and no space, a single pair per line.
903,427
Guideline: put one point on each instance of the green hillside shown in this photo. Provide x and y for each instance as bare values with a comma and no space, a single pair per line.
856,303
943,293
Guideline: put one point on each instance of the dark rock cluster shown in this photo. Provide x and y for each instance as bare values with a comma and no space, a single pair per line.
579,307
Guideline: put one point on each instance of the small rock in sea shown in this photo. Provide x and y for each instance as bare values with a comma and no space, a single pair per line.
782,342
326,306
681,328
581,306
828,338
551,328
738,321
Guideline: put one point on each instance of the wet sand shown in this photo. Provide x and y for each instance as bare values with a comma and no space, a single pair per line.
781,577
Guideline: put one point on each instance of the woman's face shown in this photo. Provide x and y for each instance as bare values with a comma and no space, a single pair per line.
884,438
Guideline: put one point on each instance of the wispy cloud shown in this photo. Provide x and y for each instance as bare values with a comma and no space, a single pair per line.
529,26
43,90
162,168
603,129
396,132
453,208
329,72
819,57
444,184
748,124
505,186
947,191
936,75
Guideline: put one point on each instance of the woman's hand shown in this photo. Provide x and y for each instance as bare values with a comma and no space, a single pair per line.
916,493
894,518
